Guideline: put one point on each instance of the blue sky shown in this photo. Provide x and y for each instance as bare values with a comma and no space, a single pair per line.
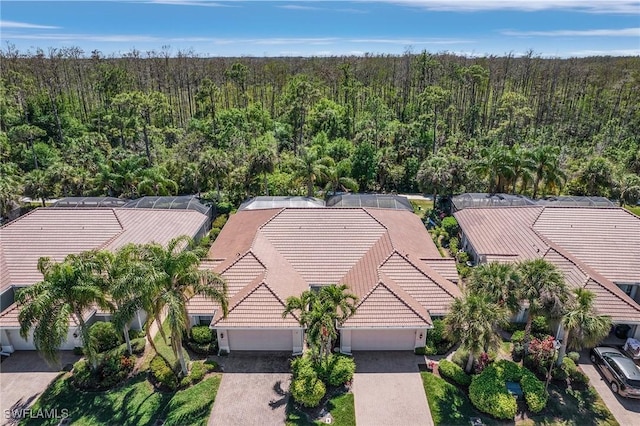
550,28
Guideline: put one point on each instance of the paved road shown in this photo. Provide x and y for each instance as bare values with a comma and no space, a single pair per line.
24,376
253,390
388,390
626,411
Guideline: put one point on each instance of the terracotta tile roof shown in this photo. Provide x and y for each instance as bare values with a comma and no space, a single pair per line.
383,308
571,241
436,296
261,307
58,232
444,266
300,248
309,238
201,305
502,232
607,239
245,269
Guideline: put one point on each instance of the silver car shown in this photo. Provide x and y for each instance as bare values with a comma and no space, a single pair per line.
619,370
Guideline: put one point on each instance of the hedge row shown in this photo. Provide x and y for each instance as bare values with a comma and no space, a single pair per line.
451,371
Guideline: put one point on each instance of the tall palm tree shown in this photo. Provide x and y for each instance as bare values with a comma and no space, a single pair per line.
216,165
339,178
436,174
174,278
311,168
494,165
321,313
127,277
154,181
583,327
521,167
499,281
544,288
69,289
262,159
473,320
546,162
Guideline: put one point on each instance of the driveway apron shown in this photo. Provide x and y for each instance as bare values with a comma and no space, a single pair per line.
253,390
388,390
626,411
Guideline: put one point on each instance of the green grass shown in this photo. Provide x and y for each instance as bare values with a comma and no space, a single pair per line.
421,207
135,403
448,404
342,410
633,209
164,349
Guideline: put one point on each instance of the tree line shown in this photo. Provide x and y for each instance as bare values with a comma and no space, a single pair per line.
74,124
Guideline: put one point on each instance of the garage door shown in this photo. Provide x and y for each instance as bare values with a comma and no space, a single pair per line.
260,340
382,340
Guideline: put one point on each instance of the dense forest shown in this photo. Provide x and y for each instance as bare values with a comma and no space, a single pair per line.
76,124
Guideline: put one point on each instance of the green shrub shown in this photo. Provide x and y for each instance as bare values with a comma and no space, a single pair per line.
450,225
436,337
198,370
421,350
454,372
224,207
569,365
509,370
513,326
136,334
578,378
104,336
307,389
220,221
460,357
78,351
540,327
210,365
162,373
82,375
573,356
138,345
488,393
302,366
339,370
213,234
201,334
534,392
559,373
453,245
517,336
430,350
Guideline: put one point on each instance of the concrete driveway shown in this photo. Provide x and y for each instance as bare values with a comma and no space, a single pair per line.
388,390
253,390
24,376
626,411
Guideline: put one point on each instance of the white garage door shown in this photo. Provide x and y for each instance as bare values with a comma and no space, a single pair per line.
260,340
382,340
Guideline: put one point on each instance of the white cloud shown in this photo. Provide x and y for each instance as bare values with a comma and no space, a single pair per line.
25,25
614,52
297,7
592,6
409,41
622,32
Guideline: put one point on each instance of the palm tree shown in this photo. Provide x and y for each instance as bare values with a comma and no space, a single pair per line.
473,320
583,327
321,313
126,274
174,278
38,184
155,182
521,166
216,165
544,288
310,167
339,178
546,162
495,166
69,289
262,159
499,281
436,174
9,188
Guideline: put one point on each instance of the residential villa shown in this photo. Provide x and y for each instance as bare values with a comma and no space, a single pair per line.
594,244
384,255
77,225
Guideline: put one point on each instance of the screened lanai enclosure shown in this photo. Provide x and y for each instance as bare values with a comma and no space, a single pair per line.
380,201
483,199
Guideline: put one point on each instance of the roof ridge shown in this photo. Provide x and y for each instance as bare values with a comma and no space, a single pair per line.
113,238
537,217
240,296
30,212
423,272
272,291
239,258
365,209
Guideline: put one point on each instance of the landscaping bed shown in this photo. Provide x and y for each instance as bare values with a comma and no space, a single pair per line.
338,402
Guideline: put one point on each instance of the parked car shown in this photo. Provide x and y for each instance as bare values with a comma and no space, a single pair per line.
619,370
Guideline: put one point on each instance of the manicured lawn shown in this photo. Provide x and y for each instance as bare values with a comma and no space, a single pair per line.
448,404
135,403
164,348
421,207
633,209
341,406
